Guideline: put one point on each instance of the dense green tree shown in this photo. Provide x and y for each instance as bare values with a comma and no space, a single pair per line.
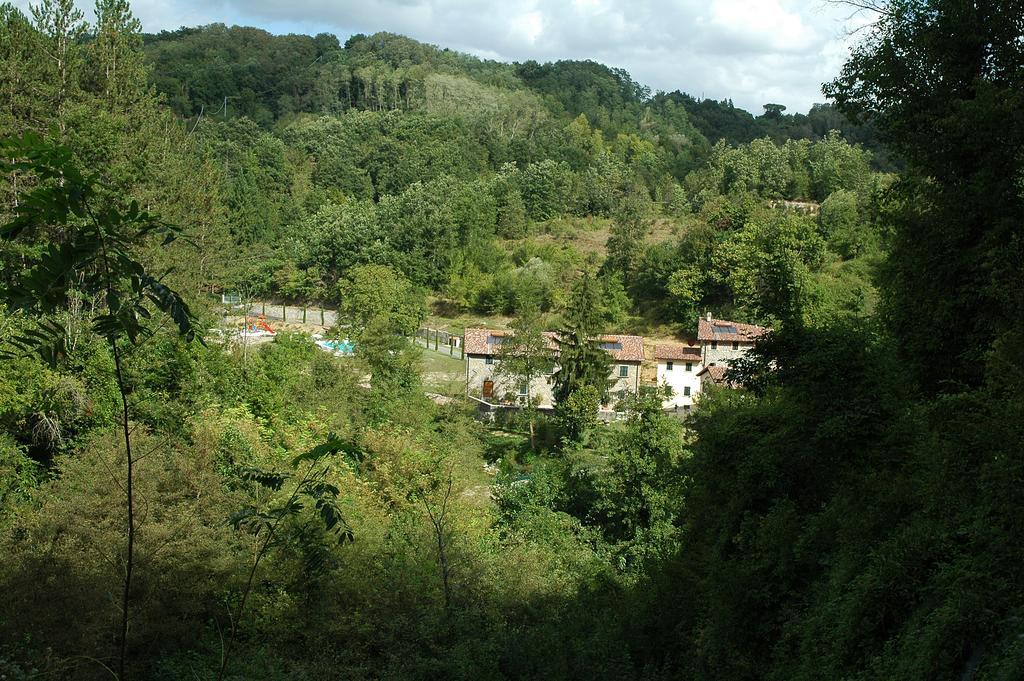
581,359
60,28
20,60
526,356
640,494
950,285
625,243
340,237
378,296
842,225
117,60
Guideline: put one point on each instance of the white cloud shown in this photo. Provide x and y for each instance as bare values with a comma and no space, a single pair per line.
765,24
752,51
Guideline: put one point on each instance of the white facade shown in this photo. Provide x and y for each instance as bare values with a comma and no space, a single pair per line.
681,376
483,383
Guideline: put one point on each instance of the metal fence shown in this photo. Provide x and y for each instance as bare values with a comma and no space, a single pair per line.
440,340
288,313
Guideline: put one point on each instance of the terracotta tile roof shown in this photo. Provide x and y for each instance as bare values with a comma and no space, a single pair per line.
485,342
721,330
677,352
716,372
624,348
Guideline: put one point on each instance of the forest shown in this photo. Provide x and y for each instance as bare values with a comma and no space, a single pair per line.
174,505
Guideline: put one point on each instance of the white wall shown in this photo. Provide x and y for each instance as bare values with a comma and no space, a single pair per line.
678,378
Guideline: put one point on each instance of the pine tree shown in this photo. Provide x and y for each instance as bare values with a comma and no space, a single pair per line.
117,64
581,360
61,28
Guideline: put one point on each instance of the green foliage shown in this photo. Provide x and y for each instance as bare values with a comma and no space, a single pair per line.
950,283
639,497
834,519
95,258
581,360
577,412
378,296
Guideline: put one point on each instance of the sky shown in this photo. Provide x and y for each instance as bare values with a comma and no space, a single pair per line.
750,51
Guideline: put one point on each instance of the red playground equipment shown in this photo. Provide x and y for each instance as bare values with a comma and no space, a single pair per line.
259,323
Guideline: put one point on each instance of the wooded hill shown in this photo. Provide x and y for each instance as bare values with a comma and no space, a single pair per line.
173,510
268,78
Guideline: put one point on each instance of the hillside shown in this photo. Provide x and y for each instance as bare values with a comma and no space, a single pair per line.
241,71
189,490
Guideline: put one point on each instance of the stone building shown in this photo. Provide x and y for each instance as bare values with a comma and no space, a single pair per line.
722,342
483,350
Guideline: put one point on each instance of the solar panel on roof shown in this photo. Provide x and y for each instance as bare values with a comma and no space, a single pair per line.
611,345
725,329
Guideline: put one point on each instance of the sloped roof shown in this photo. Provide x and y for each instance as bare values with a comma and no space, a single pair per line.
487,342
631,350
677,352
716,372
721,330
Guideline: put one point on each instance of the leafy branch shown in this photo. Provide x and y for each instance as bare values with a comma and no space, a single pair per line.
88,242
310,489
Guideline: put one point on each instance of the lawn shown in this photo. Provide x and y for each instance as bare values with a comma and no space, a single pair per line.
442,373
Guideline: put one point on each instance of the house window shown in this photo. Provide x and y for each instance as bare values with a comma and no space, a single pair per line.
686,391
522,389
714,345
689,366
686,407
735,345
668,366
488,388
623,371
489,360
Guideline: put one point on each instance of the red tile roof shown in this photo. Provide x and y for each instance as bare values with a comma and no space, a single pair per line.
632,349
716,372
476,343
721,330
677,352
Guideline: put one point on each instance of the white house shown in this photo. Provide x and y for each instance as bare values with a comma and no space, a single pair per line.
679,367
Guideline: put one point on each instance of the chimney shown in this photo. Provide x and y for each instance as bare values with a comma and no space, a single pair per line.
707,315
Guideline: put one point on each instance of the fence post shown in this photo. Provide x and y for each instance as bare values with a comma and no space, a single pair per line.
437,334
284,313
303,314
322,317
263,307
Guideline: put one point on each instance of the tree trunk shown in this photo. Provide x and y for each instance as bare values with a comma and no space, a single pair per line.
129,493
